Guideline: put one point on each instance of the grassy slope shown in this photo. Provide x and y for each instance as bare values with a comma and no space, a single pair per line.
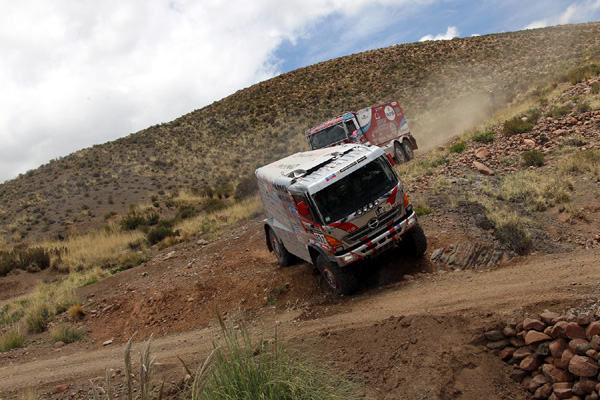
439,84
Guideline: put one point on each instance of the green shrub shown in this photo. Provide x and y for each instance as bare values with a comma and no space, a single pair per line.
422,210
582,73
246,187
516,125
159,233
485,137
22,256
212,204
65,333
36,318
595,88
558,111
458,147
12,339
185,212
240,368
532,158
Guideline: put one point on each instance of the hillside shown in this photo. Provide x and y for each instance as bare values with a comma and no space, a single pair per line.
440,85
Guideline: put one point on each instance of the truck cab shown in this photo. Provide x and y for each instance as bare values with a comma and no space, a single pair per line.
383,125
335,206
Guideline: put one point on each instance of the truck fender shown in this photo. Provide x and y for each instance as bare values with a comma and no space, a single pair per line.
314,252
267,227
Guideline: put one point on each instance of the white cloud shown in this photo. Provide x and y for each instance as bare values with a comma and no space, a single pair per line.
76,73
451,33
574,13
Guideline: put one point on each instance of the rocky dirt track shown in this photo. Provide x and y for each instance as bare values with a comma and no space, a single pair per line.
408,334
415,330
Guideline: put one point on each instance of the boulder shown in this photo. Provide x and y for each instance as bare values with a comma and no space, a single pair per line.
583,366
482,168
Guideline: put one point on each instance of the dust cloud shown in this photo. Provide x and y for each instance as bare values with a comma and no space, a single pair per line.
434,128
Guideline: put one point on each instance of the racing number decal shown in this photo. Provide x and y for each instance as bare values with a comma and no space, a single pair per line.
320,238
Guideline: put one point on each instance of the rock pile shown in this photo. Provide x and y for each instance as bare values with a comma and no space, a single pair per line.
553,356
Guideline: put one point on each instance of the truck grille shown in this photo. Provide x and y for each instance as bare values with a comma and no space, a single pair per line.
365,232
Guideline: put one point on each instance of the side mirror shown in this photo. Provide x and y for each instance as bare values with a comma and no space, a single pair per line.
389,156
303,209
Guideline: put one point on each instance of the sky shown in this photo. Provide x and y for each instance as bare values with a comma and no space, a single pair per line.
74,73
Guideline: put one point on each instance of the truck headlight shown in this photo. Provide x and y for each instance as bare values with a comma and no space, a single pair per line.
348,257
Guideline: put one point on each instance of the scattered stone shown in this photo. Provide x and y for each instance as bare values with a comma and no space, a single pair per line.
579,346
106,343
583,366
533,337
592,330
575,331
494,335
535,324
482,168
60,389
558,346
555,374
530,363
58,345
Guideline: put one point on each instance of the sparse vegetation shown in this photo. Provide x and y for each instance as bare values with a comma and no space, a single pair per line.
485,137
65,333
457,147
516,125
12,339
533,158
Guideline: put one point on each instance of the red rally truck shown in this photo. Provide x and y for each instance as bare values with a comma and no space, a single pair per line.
335,206
383,125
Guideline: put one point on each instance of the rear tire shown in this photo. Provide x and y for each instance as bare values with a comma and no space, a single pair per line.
414,242
340,280
399,154
408,150
284,257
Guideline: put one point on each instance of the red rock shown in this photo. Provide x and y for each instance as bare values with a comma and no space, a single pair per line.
559,132
60,389
509,331
529,142
517,341
595,342
534,337
592,330
482,168
506,353
518,375
579,346
482,153
494,335
584,386
498,345
575,331
530,363
584,319
543,392
536,382
593,354
521,353
558,346
555,374
559,329
583,366
548,316
563,393
535,324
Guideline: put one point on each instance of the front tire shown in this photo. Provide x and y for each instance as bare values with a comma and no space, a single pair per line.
399,154
340,280
408,150
284,257
415,242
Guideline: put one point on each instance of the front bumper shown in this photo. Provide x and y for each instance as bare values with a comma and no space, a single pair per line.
385,239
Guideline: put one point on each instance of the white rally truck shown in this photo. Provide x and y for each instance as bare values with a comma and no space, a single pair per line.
383,125
334,206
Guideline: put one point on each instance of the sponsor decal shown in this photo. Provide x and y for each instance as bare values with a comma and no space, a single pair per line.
390,113
292,210
330,177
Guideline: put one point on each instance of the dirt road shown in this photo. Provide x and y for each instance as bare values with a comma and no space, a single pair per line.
416,339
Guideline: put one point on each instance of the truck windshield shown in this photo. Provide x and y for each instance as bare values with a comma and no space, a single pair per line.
327,137
354,191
